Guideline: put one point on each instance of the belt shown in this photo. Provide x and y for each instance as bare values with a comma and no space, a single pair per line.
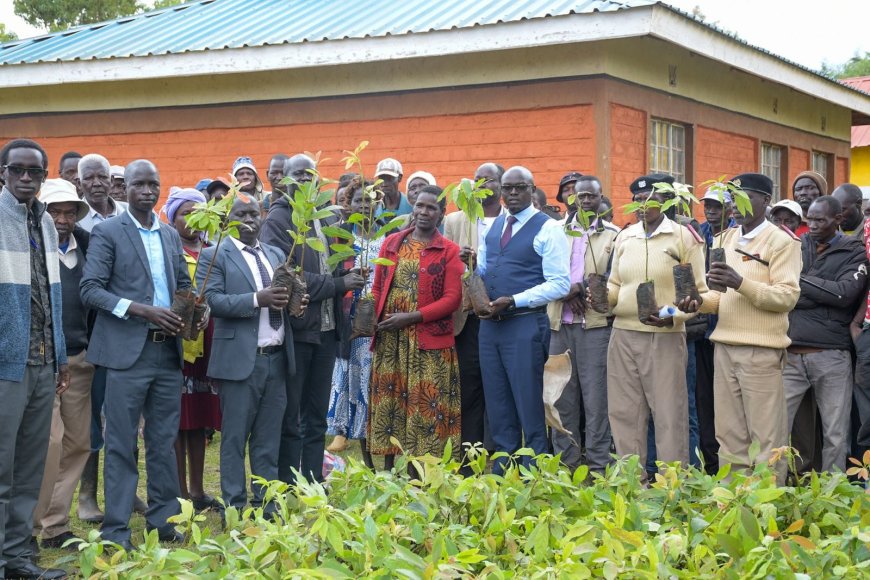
267,350
518,312
158,336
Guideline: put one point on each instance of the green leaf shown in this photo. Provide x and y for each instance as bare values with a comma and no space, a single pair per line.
393,224
337,232
315,244
382,262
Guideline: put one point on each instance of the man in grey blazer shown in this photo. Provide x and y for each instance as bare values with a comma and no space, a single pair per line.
251,353
135,265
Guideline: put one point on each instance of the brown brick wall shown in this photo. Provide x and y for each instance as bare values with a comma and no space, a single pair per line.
798,160
629,153
841,173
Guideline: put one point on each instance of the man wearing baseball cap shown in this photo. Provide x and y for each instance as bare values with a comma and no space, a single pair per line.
787,213
69,444
566,188
248,178
761,272
118,189
389,171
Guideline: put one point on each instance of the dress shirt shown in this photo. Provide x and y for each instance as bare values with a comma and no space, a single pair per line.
68,256
745,237
549,244
156,264
94,217
266,335
578,268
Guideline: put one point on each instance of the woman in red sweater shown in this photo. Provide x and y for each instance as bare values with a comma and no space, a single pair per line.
414,389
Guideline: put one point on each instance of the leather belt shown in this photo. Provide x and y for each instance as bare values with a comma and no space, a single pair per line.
518,312
158,336
267,350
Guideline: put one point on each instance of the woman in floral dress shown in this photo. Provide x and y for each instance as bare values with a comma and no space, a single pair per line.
415,396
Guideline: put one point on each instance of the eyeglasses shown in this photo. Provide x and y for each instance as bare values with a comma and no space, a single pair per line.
518,187
18,171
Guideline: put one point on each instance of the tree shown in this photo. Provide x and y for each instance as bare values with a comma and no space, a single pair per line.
857,66
6,35
58,15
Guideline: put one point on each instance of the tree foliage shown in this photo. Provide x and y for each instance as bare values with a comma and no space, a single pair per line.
56,15
857,66
6,35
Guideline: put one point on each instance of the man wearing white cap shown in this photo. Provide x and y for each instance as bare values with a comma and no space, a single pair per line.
70,440
389,171
118,190
787,213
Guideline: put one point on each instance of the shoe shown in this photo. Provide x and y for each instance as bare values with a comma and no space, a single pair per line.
31,570
139,506
34,549
204,503
168,534
59,540
88,510
126,545
338,444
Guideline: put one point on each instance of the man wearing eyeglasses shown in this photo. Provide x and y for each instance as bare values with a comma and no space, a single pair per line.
524,262
33,360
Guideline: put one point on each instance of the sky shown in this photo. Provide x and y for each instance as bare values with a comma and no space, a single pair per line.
808,32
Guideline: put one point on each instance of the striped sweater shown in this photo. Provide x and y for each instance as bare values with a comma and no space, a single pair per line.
15,285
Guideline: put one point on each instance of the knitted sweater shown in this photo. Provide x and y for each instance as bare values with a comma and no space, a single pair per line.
756,314
669,242
15,285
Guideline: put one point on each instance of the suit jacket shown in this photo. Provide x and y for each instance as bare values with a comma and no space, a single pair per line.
117,267
230,293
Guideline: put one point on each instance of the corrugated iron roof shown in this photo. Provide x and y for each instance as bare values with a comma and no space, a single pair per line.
219,24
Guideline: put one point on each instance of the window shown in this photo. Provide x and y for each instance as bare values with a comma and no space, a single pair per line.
667,149
820,163
771,166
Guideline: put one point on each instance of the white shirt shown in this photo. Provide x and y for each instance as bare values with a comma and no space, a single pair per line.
745,238
69,258
266,335
94,217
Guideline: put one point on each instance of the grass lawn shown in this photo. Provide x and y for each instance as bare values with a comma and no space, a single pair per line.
212,485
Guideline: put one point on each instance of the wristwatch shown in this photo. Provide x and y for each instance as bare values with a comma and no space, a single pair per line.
513,304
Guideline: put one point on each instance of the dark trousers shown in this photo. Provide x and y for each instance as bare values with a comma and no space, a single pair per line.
150,388
25,425
303,436
861,392
253,412
512,357
704,405
98,396
471,382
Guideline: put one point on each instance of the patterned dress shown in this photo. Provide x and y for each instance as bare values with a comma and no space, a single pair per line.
349,401
414,392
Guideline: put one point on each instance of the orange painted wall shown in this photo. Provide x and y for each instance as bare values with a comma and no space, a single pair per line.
548,141
798,160
629,154
719,153
841,172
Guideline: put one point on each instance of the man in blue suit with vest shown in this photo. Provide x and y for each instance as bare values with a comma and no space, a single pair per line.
525,265
135,264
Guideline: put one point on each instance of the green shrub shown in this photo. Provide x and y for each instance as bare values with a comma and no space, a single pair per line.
542,522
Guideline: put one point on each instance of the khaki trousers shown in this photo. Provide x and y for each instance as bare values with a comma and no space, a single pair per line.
646,373
750,403
68,449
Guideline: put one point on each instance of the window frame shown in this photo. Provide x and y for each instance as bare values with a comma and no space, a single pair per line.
654,149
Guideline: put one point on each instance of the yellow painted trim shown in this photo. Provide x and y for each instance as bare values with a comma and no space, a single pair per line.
860,167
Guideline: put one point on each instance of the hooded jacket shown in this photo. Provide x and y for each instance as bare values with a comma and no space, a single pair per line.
820,319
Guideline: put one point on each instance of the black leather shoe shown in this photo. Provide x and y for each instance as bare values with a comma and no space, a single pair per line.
59,540
205,502
127,545
31,570
168,534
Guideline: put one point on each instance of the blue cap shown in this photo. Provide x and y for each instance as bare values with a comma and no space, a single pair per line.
202,184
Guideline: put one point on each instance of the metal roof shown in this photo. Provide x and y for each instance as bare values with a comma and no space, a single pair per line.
218,24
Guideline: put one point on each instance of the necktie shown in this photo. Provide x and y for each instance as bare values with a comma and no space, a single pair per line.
274,315
506,235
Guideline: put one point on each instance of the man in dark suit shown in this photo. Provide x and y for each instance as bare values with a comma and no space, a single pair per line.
135,265
251,353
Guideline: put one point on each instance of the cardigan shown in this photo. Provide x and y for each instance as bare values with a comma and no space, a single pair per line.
15,285
439,290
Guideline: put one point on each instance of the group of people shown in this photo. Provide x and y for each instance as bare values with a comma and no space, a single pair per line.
769,341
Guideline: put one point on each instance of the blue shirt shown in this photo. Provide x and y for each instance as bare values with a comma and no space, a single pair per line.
404,207
549,244
156,263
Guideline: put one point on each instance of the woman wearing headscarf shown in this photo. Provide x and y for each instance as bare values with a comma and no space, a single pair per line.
415,371
200,406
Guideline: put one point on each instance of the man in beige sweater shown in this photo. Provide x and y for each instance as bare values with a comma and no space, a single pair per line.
762,272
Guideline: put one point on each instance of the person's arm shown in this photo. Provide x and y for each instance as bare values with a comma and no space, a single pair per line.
182,272
481,254
449,302
781,294
695,257
849,284
857,324
96,274
223,305
555,260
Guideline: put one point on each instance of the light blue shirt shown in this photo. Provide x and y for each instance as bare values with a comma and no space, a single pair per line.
156,263
549,244
403,209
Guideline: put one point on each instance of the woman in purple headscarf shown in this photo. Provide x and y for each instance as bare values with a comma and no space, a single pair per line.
200,405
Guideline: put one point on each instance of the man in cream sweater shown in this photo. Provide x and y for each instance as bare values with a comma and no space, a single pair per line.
761,271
